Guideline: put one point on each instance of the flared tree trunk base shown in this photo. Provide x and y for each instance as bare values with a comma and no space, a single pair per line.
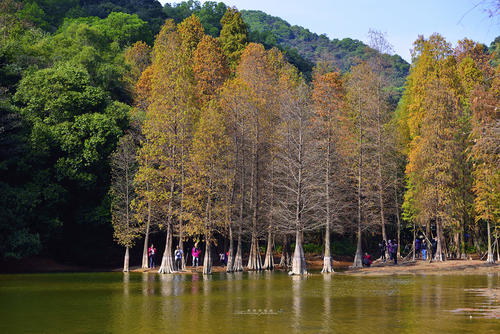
358,260
490,258
126,261
298,261
167,262
238,260
254,259
327,265
269,260
207,260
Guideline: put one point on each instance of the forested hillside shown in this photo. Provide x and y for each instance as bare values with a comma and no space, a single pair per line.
344,53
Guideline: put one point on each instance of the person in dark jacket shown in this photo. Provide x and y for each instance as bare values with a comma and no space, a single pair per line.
178,258
393,249
424,250
434,247
383,247
418,245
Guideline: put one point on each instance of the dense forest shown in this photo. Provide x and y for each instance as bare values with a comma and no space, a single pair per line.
127,121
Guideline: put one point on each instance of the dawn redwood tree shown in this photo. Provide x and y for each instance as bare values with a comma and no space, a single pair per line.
209,179
170,117
473,66
332,139
296,181
259,78
142,204
380,119
123,167
138,57
485,155
234,102
433,113
360,94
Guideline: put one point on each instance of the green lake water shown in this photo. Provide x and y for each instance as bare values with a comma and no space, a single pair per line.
259,303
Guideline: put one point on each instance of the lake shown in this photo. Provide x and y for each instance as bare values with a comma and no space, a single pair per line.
260,303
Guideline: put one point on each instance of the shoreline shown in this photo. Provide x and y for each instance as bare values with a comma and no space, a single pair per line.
314,265
449,267
418,267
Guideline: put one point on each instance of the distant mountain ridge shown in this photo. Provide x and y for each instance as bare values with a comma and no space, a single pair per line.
344,53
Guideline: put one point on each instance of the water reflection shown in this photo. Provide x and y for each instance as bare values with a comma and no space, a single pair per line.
141,303
148,284
126,281
297,302
195,284
327,309
166,286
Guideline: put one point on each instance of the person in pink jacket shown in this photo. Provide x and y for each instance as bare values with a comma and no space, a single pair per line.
196,255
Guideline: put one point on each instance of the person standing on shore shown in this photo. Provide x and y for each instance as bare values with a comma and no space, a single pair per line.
393,248
178,258
382,246
196,255
418,246
152,253
424,250
434,247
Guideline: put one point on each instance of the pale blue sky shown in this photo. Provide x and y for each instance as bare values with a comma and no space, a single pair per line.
402,20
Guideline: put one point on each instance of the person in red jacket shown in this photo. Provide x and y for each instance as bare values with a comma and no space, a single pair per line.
152,253
367,260
196,255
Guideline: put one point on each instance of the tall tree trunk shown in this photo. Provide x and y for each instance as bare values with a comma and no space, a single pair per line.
399,223
299,259
439,249
490,258
238,259
126,260
181,215
230,257
358,258
207,260
167,264
230,254
462,240
181,246
414,239
285,253
145,264
380,181
457,243
254,258
327,259
496,243
269,260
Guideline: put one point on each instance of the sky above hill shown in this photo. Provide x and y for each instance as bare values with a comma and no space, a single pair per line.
401,20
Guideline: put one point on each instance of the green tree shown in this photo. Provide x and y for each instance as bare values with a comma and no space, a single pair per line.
233,36
123,167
